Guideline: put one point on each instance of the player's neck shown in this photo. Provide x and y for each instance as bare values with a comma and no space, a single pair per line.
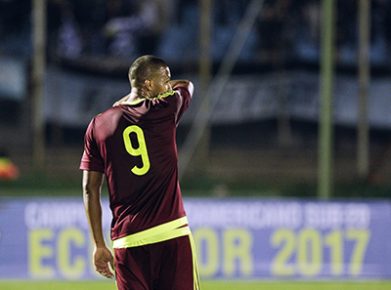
136,94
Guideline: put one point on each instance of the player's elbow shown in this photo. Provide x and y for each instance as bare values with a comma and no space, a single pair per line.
88,190
91,184
190,87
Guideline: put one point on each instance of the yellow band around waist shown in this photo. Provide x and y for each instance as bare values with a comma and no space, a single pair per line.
160,233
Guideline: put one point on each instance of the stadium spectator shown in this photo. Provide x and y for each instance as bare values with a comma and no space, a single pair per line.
69,43
271,28
137,32
8,170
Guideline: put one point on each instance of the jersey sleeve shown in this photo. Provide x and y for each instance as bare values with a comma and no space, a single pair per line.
184,99
91,159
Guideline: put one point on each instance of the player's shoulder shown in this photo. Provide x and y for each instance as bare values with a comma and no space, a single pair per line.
109,114
115,110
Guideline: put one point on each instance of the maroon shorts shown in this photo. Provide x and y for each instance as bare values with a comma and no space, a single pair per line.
165,265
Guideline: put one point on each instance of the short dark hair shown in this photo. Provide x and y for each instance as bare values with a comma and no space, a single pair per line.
143,68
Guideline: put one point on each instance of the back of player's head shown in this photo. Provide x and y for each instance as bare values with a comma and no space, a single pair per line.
144,68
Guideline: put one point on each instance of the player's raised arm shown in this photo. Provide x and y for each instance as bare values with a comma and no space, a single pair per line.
182,84
92,185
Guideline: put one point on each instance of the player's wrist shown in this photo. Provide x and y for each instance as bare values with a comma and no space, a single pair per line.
100,244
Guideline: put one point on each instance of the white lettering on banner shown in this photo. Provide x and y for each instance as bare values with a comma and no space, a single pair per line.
57,215
254,215
323,215
51,214
357,215
292,215
337,215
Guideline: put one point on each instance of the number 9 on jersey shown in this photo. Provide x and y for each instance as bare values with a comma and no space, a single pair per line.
140,151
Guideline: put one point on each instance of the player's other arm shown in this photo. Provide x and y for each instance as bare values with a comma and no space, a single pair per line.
188,85
92,186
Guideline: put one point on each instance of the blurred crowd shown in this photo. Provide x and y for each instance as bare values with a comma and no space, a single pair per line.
284,30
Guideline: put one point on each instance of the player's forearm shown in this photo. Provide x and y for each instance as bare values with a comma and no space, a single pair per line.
92,204
94,214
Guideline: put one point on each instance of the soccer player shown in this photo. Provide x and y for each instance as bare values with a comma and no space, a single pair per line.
134,145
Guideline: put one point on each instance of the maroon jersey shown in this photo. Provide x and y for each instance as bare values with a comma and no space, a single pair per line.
135,147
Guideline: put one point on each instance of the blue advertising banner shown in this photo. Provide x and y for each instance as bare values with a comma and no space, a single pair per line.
235,239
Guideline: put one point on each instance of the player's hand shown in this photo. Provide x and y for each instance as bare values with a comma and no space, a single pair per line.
103,261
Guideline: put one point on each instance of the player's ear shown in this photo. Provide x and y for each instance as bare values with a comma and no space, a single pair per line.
148,84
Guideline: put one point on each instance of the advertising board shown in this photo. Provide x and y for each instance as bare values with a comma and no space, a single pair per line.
235,239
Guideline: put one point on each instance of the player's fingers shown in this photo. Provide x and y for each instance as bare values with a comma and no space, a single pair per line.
108,273
104,271
102,263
